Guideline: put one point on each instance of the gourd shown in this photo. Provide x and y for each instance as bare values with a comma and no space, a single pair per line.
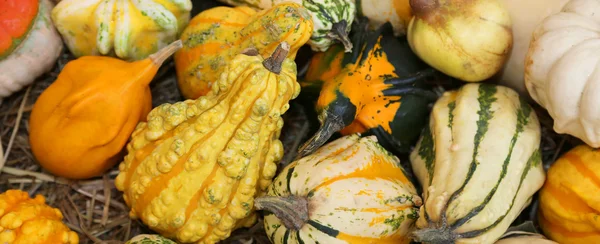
569,209
478,163
379,90
215,36
525,16
332,19
378,12
29,43
127,29
30,220
522,237
81,122
149,239
561,69
349,191
192,171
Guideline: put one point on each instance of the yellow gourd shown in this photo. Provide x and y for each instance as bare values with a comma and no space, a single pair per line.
194,168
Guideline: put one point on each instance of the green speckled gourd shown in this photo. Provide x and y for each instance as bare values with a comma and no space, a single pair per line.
193,170
478,163
149,239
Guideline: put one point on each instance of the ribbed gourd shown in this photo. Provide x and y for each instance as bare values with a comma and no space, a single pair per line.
478,163
351,190
215,36
128,29
193,170
26,220
332,19
379,88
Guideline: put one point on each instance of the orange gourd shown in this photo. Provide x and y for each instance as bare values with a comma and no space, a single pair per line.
80,124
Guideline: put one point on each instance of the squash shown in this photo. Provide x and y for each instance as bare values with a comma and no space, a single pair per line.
379,91
478,163
149,239
29,43
332,19
561,69
349,191
81,122
569,208
192,171
30,220
525,16
127,29
378,12
215,36
522,237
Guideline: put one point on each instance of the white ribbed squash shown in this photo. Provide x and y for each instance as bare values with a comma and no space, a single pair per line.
562,71
479,164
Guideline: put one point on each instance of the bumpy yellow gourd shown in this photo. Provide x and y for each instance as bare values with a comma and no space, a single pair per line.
26,220
194,168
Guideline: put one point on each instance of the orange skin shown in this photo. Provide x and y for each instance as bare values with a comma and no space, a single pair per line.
80,124
16,19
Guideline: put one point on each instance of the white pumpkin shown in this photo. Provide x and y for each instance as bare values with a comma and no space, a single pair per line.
562,71
34,54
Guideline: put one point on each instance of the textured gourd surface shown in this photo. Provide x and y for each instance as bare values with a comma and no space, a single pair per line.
149,239
478,162
569,210
26,220
357,193
194,168
216,35
128,29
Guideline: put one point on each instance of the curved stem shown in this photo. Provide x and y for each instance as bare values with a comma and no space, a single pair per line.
274,62
338,32
161,55
330,126
291,210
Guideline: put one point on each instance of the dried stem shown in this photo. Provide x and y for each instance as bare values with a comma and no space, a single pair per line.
274,62
158,58
292,210
338,32
16,128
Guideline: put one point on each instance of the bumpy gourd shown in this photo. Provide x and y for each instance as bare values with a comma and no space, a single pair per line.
81,122
25,220
332,19
215,36
194,168
569,210
349,191
379,89
29,43
478,163
128,29
149,239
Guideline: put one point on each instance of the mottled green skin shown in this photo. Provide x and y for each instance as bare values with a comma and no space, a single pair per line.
150,239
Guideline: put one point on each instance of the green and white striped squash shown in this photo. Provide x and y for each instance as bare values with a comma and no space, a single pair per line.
350,190
332,19
479,164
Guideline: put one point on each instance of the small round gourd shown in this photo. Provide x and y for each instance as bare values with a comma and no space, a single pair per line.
149,239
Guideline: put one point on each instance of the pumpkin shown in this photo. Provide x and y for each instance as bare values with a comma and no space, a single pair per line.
523,237
215,36
127,29
81,122
525,16
569,210
478,163
349,191
332,19
379,90
378,12
30,220
192,171
149,239
29,43
560,71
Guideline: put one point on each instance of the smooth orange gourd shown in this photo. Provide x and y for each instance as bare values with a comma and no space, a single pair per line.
81,123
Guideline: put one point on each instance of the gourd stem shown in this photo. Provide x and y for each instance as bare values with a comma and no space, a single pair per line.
435,235
338,32
330,126
292,211
420,7
274,62
161,55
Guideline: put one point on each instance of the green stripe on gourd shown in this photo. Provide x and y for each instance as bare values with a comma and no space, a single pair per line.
467,161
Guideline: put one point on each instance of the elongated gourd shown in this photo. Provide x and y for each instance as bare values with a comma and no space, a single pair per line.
478,163
332,19
192,171
80,124
379,90
349,191
215,36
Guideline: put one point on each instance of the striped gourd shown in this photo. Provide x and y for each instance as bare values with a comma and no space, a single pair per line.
569,210
349,191
333,19
478,163
216,35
